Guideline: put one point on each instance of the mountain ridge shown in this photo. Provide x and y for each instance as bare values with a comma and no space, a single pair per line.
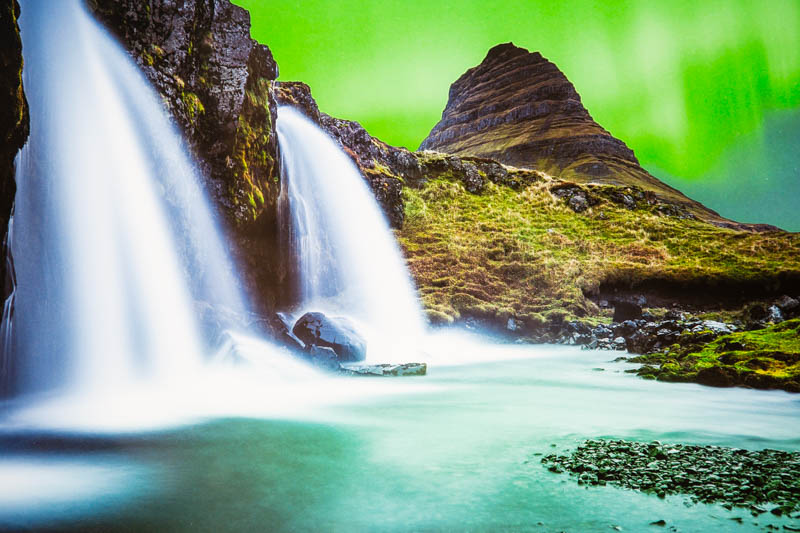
519,108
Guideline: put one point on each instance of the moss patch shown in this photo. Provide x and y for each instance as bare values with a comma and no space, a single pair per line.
253,166
194,106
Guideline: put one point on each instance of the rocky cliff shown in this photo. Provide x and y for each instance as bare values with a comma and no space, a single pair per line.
217,83
518,108
13,112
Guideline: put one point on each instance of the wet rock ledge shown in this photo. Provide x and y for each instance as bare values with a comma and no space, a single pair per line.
762,481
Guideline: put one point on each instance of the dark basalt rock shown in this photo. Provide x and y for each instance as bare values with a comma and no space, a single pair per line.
216,82
518,108
626,311
14,123
324,358
280,327
337,333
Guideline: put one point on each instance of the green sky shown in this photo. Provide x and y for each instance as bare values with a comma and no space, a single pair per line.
689,84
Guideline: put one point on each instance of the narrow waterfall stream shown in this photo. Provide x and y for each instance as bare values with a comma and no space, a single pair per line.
112,240
349,261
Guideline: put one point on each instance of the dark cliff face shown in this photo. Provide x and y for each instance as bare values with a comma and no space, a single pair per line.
13,112
384,167
217,83
518,108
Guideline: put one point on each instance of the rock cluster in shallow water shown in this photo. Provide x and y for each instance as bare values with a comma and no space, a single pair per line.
766,480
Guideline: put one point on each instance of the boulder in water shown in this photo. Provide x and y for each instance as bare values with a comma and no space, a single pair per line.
279,325
324,357
337,333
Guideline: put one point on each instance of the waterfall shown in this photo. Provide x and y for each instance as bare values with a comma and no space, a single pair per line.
349,261
113,240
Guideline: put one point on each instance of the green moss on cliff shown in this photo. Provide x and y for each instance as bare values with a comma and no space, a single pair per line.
254,169
526,253
194,106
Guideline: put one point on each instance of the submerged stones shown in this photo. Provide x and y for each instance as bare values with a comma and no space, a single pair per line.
758,480
337,333
407,369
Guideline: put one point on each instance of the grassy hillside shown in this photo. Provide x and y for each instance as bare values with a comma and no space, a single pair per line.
525,252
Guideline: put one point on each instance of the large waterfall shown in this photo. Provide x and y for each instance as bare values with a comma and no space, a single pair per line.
113,240
349,261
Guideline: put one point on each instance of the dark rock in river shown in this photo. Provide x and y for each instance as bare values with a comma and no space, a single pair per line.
324,357
280,328
337,333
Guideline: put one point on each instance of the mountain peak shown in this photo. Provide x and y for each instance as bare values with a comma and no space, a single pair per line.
519,108
508,49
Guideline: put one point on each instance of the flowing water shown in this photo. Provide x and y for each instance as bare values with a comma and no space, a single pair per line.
112,238
349,261
453,451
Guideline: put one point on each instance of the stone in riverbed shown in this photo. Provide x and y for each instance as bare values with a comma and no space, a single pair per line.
337,333
407,369
324,357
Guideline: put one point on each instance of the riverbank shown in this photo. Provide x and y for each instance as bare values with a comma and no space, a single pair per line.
756,346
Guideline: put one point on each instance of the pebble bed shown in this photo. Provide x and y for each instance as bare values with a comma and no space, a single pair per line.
763,481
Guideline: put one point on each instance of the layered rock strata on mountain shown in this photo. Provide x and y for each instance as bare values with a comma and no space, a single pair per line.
518,108
13,116
217,83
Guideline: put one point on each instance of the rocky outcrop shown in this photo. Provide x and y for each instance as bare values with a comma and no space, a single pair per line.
13,113
217,83
339,334
518,108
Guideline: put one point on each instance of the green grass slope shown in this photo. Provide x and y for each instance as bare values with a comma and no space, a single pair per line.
524,252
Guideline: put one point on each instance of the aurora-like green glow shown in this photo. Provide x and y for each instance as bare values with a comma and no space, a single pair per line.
681,81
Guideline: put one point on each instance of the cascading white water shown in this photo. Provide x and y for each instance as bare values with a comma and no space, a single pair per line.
112,237
349,261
